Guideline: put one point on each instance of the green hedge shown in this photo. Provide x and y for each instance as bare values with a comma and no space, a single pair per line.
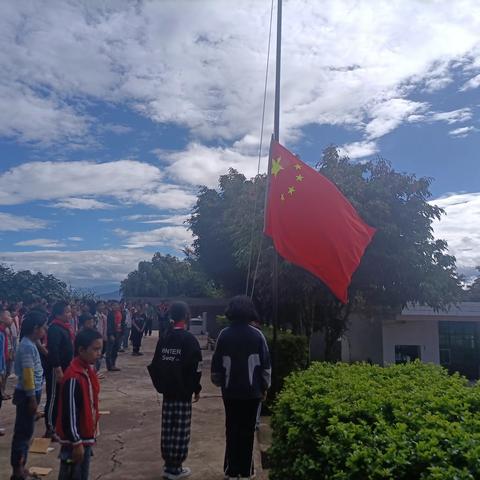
292,355
359,422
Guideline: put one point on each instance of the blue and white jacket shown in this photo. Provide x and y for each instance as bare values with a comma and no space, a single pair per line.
241,362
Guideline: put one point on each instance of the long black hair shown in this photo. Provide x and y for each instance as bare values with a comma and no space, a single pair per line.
33,319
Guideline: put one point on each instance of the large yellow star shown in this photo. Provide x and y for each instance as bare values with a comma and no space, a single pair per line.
276,167
291,190
299,178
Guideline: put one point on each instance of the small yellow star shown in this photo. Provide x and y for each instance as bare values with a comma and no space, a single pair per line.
282,197
299,178
276,167
297,166
291,190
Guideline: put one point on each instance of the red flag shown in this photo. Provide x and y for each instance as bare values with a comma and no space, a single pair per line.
312,224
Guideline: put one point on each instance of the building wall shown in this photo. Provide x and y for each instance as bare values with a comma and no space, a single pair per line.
363,341
400,332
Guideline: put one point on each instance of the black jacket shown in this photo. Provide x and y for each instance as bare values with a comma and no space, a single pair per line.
111,327
176,366
59,346
241,362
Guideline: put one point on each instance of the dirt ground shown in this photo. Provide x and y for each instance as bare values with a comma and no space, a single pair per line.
129,443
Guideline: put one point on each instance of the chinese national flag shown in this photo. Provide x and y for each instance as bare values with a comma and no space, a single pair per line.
312,224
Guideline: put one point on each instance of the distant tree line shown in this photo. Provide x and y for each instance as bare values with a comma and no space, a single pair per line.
29,287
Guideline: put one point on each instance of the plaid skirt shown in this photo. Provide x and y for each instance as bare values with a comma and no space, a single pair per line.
176,421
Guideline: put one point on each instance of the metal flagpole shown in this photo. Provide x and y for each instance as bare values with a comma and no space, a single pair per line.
276,136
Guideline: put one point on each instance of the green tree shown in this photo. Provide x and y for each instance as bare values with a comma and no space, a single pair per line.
28,286
473,292
403,264
165,276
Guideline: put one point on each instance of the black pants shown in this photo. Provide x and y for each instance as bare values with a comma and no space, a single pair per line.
23,430
113,345
136,338
51,405
148,327
240,419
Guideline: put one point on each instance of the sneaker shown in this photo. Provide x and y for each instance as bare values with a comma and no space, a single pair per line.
2,432
114,369
122,350
186,472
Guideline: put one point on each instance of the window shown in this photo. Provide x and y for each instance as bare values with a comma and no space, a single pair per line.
407,353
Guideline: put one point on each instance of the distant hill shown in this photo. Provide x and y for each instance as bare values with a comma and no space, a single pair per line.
115,295
104,292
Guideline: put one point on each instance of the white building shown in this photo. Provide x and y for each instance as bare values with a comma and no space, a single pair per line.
451,339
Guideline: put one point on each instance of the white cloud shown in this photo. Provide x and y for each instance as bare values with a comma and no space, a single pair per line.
114,128
177,237
81,268
61,180
82,204
41,243
359,149
202,165
153,219
472,83
13,223
460,228
170,220
389,115
454,116
31,118
75,239
203,66
126,181
462,131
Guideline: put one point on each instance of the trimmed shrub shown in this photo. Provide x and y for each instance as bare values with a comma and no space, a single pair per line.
292,355
359,422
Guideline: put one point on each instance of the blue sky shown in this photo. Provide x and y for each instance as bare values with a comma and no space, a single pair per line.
112,115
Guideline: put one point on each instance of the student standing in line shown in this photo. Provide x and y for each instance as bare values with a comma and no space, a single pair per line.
176,373
29,371
241,367
101,326
60,338
114,334
138,327
5,321
128,327
78,411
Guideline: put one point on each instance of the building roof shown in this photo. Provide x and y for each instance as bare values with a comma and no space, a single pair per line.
463,309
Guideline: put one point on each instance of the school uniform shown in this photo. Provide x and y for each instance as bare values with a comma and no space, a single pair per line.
60,338
241,367
78,417
136,334
176,373
29,371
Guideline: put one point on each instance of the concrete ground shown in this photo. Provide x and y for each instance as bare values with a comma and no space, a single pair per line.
129,443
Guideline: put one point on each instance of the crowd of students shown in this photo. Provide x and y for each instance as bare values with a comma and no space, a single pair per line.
62,347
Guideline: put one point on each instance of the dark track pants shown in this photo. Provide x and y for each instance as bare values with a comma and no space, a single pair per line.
51,405
240,420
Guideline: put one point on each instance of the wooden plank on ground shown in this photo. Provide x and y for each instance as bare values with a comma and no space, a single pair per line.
40,445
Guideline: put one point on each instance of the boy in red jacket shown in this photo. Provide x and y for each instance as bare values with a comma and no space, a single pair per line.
77,417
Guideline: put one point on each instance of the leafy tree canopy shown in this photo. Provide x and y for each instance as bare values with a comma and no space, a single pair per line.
472,294
165,276
29,287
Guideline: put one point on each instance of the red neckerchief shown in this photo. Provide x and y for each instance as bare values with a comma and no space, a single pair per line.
179,325
66,326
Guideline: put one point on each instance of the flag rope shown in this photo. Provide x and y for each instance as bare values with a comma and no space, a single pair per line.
255,206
